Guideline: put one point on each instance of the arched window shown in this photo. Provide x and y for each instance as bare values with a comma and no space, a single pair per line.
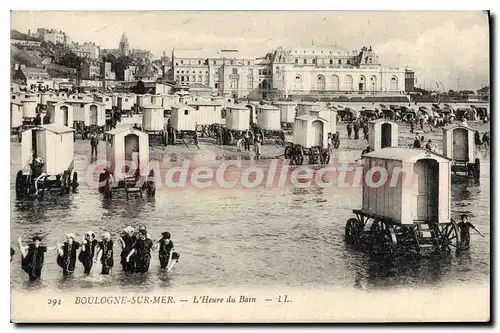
348,82
331,62
296,61
314,61
334,82
305,61
348,61
283,60
394,83
362,83
182,61
373,83
320,82
297,83
340,61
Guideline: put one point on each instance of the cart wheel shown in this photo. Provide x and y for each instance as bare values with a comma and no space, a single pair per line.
74,183
337,142
288,152
62,187
299,158
352,232
477,168
450,237
231,139
326,158
384,239
20,183
174,136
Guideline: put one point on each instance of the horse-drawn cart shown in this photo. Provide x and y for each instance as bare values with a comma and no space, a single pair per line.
408,209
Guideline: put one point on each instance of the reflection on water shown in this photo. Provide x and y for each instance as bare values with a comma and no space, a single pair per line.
256,237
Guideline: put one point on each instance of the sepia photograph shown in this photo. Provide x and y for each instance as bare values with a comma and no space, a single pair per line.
250,166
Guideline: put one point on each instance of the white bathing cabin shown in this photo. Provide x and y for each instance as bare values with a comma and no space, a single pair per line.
238,117
16,114
126,144
458,143
53,143
288,111
425,196
207,112
382,133
310,131
183,118
269,117
61,114
328,114
152,118
125,102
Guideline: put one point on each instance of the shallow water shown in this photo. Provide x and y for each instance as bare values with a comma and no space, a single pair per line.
230,238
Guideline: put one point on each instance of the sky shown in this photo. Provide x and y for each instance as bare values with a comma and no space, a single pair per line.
451,48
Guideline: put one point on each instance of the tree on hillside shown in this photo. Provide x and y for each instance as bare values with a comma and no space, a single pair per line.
139,88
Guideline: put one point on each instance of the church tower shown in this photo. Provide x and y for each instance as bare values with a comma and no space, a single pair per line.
124,48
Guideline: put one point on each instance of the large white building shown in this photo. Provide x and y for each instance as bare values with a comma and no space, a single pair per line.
284,73
320,70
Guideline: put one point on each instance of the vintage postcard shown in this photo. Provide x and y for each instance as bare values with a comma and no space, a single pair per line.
231,166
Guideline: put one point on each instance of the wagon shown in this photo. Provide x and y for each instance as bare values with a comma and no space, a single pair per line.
208,113
331,116
153,123
383,133
408,209
288,113
310,138
237,123
127,152
269,121
47,161
87,117
459,146
183,124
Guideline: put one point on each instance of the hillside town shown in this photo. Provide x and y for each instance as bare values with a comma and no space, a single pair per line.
49,59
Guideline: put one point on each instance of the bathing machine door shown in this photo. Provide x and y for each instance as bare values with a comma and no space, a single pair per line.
427,192
461,144
93,115
386,139
132,148
317,134
65,116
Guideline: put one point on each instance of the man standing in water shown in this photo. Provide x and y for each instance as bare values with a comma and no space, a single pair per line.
67,255
106,251
94,142
32,257
464,226
142,249
87,252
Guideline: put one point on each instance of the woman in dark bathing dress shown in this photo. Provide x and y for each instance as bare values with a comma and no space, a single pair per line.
105,249
128,239
142,250
67,255
87,253
33,257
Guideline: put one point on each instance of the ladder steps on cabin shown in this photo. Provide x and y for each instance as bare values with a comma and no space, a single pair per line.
130,187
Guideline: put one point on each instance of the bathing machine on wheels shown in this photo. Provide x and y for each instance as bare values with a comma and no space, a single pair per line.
47,161
153,123
382,134
331,116
458,144
310,138
405,204
237,123
183,124
269,121
127,152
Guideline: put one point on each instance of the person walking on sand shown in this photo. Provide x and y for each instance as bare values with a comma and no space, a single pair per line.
349,129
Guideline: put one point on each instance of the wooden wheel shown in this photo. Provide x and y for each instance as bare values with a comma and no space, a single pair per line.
337,141
62,186
384,238
353,231
288,152
74,183
450,237
20,183
299,157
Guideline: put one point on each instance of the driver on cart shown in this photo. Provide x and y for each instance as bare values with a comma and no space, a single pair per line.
37,171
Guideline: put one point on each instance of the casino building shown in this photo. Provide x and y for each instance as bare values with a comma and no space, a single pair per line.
286,73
